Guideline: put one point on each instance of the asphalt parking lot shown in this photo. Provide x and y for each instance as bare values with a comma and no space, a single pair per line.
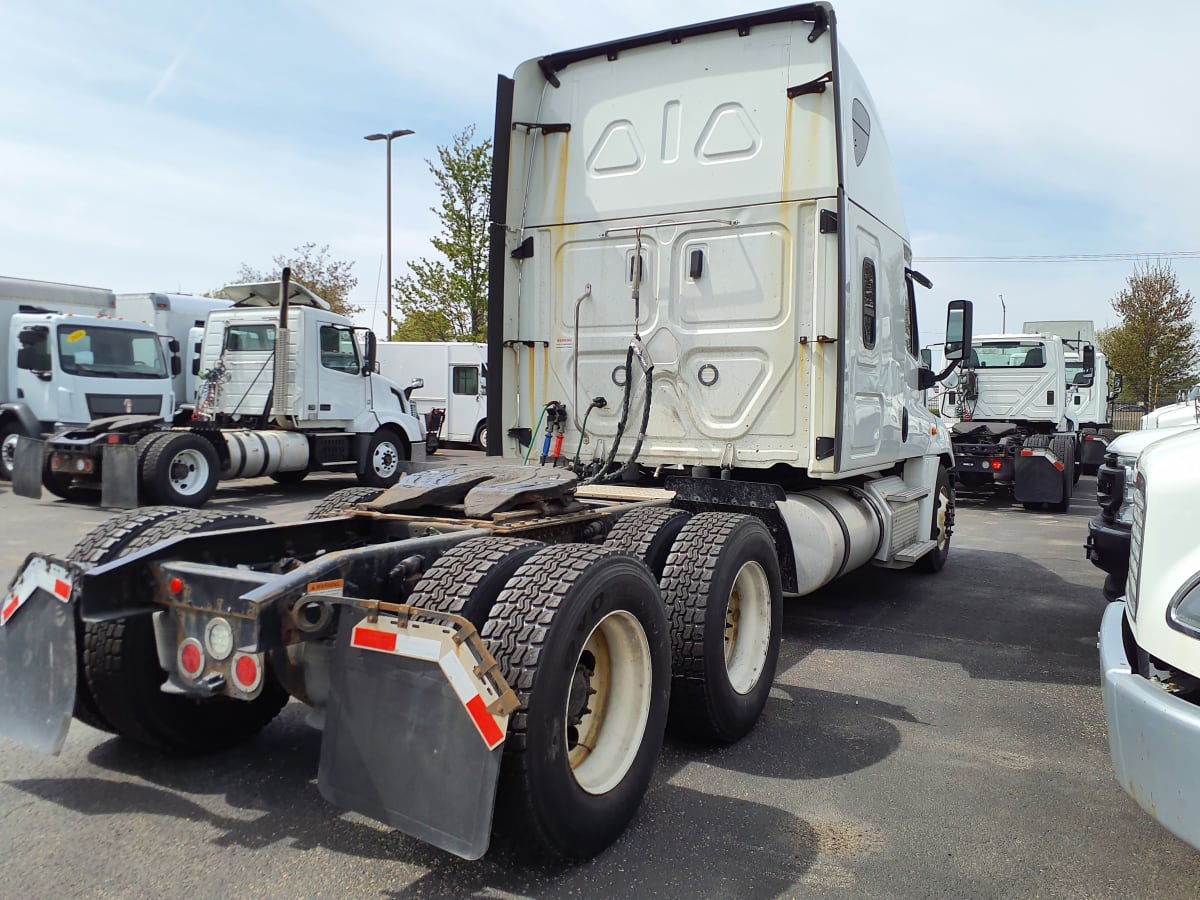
927,736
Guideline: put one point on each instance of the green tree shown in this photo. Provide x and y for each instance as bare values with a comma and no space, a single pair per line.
446,298
1155,344
330,279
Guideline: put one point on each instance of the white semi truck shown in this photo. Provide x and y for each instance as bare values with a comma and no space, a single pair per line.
1091,387
1018,429
700,286
1185,412
287,387
1150,641
453,397
68,357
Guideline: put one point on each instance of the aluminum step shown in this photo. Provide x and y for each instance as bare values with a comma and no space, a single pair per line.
915,551
907,496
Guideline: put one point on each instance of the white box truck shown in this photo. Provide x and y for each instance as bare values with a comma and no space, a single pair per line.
453,400
66,359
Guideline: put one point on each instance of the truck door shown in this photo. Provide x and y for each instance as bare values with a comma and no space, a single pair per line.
33,378
466,403
874,352
341,388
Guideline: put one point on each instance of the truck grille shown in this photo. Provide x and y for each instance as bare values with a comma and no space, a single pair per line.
102,405
1135,545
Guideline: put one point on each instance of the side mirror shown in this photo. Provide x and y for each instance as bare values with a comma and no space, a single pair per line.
176,363
173,345
927,358
370,351
1118,384
958,329
926,378
1089,357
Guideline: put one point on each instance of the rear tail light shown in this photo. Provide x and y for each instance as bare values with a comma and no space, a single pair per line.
247,672
191,658
997,465
218,637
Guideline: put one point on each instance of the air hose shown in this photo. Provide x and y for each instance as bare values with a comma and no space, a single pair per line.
532,437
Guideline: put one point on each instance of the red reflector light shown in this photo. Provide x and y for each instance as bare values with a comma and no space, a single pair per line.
191,658
114,439
997,465
1027,453
176,585
247,672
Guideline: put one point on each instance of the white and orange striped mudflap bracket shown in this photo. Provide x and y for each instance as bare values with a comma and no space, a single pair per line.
37,573
457,660
1046,454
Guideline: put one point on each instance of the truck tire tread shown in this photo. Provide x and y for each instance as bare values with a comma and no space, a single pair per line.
648,534
467,579
551,599
340,501
696,585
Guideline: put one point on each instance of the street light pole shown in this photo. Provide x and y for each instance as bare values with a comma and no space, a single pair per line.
391,136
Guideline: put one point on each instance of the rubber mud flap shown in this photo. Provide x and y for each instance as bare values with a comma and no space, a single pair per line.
27,468
400,747
37,665
119,476
1037,480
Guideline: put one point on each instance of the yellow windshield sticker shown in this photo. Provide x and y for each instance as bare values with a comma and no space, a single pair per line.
76,336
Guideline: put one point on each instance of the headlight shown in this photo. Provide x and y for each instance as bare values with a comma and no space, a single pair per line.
1124,513
1184,611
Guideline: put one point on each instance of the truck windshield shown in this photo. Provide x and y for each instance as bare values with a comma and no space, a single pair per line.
1008,355
105,352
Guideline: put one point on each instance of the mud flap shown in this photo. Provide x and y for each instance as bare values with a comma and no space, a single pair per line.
412,733
37,657
1038,477
119,476
28,461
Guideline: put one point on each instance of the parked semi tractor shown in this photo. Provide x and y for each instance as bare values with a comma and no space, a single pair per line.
452,400
703,334
287,387
1091,387
1150,641
1017,430
67,357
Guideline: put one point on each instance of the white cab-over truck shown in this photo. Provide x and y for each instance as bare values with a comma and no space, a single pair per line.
1150,641
453,397
1091,387
1018,429
68,356
700,286
287,387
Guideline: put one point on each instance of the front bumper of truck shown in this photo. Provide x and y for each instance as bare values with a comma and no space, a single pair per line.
1108,549
1154,736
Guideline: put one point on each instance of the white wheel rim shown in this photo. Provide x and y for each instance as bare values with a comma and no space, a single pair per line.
188,472
607,709
943,503
747,627
483,437
8,452
385,460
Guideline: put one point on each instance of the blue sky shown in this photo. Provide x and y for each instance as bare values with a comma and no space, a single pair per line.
159,145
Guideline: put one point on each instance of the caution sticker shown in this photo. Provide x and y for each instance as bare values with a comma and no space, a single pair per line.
76,336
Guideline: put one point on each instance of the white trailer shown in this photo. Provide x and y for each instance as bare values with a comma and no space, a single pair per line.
453,398
700,284
66,359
